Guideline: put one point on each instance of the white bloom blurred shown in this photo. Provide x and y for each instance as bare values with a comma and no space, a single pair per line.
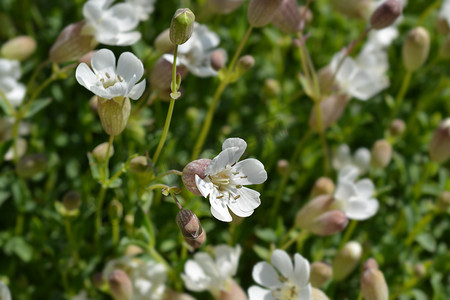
195,54
142,8
148,277
444,12
360,159
5,294
225,179
111,25
82,295
355,198
13,90
285,281
204,273
109,82
384,37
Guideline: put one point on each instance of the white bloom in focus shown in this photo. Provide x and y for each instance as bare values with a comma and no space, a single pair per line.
360,159
111,25
13,90
109,82
195,54
148,277
225,179
142,8
284,282
355,199
204,273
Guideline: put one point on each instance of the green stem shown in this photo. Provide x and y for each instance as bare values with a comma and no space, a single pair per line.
401,94
212,107
106,164
417,189
300,238
115,232
176,172
98,212
419,228
348,233
323,139
71,240
157,186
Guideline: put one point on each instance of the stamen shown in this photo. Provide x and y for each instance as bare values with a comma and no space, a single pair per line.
238,186
234,163
120,78
107,75
237,197
243,176
235,173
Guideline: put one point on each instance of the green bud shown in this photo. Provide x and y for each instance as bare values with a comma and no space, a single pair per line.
244,64
443,201
114,114
322,186
346,260
31,165
182,26
71,200
373,285
397,127
440,142
19,48
320,274
140,164
416,48
381,154
99,152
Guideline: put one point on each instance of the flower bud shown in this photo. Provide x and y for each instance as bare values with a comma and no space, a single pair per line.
218,59
196,167
373,285
440,142
444,51
244,64
288,17
381,153
326,80
72,44
19,48
306,14
99,152
161,74
115,210
283,166
114,115
420,270
307,214
30,165
261,12
443,201
182,26
234,292
397,128
442,25
332,109
189,224
128,223
416,48
322,186
87,58
133,250
317,294
346,260
271,87
173,295
71,200
320,274
224,7
329,223
197,242
370,264
120,285
163,43
356,9
386,14
5,294
140,164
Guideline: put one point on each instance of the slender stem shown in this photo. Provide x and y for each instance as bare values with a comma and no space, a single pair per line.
417,189
323,139
176,172
348,233
19,223
115,231
401,93
98,212
419,228
71,240
157,186
300,238
212,107
106,165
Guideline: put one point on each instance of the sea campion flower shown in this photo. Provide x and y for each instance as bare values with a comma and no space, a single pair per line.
360,159
195,54
204,273
142,8
285,281
225,178
13,90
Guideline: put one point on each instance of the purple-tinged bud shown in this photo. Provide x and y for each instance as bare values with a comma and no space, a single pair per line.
196,167
234,292
332,109
356,9
416,48
329,223
182,26
317,294
163,43
306,14
19,48
71,200
320,274
397,128
440,142
99,152
120,285
373,285
307,214
197,242
443,201
346,260
370,264
218,59
288,17
283,166
72,44
113,115
224,7
173,295
386,14
189,224
30,165
322,186
261,12
161,74
140,164
381,154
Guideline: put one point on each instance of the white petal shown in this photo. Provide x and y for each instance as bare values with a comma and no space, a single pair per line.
342,157
258,293
195,279
234,207
301,270
283,263
226,157
362,159
104,61
361,209
365,188
235,142
129,66
345,190
348,173
127,38
264,274
123,15
253,169
85,76
227,259
137,90
305,293
248,200
220,212
208,265
205,187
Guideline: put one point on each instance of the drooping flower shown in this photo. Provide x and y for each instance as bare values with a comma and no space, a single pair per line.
360,159
10,87
204,273
142,8
225,179
195,54
282,280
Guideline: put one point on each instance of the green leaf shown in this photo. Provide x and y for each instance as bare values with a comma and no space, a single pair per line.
94,167
262,252
266,234
37,106
427,241
17,245
306,86
7,108
4,147
3,196
115,183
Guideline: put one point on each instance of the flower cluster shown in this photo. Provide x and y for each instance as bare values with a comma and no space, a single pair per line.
10,87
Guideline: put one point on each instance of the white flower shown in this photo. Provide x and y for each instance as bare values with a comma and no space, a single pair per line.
360,160
284,282
444,12
111,25
384,37
148,277
5,294
225,180
204,273
13,90
355,198
142,8
195,54
108,82
82,295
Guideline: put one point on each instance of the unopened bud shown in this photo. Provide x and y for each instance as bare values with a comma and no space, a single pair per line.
329,223
357,9
189,224
322,186
373,285
224,7
173,295
306,14
140,164
346,260
416,48
443,201
234,292
261,12
100,151
381,153
19,48
440,142
332,109
5,294
420,270
442,25
317,294
370,264
161,74
386,14
320,274
72,44
120,285
31,165
397,128
218,59
114,115
444,51
271,87
326,80
182,26
282,166
128,223
288,17
71,200
196,167
115,210
133,250
245,63
307,214
197,242
87,58
163,43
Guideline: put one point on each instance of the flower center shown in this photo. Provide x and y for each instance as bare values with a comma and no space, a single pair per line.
109,81
288,292
224,183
